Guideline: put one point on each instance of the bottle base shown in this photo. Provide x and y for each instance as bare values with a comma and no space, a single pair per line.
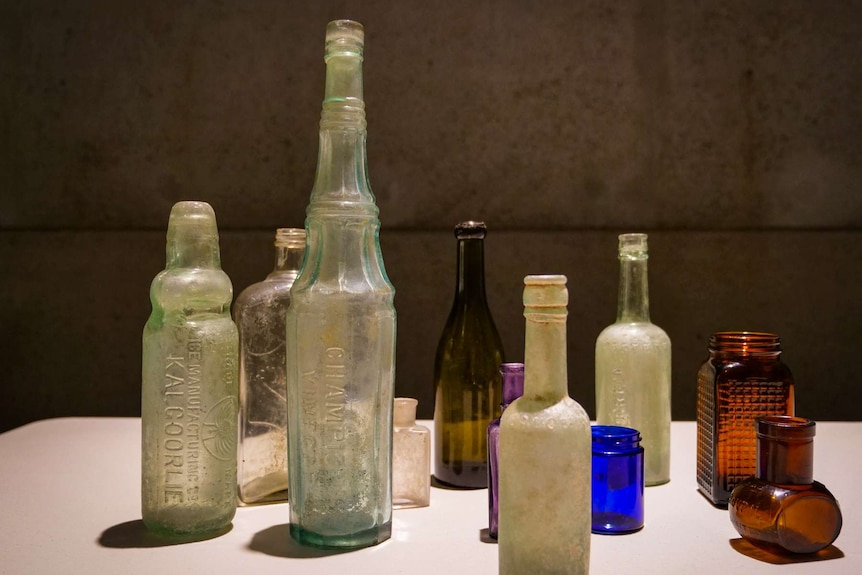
188,533
365,538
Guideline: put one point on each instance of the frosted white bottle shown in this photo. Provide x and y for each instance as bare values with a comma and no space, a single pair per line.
545,450
633,371
411,457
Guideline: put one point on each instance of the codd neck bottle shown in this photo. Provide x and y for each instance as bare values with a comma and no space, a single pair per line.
545,450
466,381
633,365
259,312
341,332
189,388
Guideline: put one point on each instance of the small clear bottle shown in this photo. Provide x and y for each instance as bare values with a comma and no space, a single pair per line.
618,480
782,506
545,506
411,458
512,377
259,313
633,364
743,378
189,388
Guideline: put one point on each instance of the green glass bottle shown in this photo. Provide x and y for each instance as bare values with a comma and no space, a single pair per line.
341,332
466,376
189,388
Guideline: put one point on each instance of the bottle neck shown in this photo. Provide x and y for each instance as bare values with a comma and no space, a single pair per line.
470,287
341,181
785,450
545,373
289,251
404,412
633,297
512,382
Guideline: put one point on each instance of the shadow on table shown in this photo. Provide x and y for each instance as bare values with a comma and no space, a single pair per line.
749,549
134,535
276,541
485,537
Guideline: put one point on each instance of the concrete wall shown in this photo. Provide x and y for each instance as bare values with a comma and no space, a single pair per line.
730,131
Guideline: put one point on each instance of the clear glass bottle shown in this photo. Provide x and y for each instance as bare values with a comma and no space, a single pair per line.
512,379
783,506
618,480
633,370
189,388
259,312
545,450
341,332
744,378
466,382
411,458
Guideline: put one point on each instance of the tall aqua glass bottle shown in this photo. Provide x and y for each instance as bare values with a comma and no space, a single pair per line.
189,387
633,372
341,332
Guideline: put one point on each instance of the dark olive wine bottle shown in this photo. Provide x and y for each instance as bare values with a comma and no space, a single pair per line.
466,377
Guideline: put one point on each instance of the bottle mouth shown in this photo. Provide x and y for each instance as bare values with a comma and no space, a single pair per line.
344,38
785,427
290,238
610,439
633,246
745,342
470,230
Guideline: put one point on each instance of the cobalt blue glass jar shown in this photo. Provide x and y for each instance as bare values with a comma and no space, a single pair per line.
618,480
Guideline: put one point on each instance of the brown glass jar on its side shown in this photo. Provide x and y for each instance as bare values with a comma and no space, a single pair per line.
744,378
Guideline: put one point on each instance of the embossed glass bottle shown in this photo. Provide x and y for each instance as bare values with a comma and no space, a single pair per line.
744,378
783,505
512,378
341,332
189,388
259,312
411,458
545,450
633,365
466,381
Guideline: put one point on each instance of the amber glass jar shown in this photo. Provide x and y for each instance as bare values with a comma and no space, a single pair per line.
744,378
783,506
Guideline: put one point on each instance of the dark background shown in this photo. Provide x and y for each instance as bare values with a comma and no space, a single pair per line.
729,130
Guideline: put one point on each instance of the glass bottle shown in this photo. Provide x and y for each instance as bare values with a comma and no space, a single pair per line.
259,313
189,387
512,378
545,450
782,505
618,480
341,332
411,458
633,364
744,378
466,382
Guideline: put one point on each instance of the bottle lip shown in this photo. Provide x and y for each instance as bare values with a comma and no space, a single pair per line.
470,230
611,439
344,38
633,246
290,237
785,427
745,342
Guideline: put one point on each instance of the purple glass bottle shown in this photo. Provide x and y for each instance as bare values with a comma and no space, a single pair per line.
512,375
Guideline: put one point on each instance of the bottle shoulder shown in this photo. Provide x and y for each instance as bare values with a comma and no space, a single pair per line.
634,332
266,293
192,289
565,415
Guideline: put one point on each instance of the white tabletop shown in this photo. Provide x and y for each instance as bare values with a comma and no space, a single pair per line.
70,503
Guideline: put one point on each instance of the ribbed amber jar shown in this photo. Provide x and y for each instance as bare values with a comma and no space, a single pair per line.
744,378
